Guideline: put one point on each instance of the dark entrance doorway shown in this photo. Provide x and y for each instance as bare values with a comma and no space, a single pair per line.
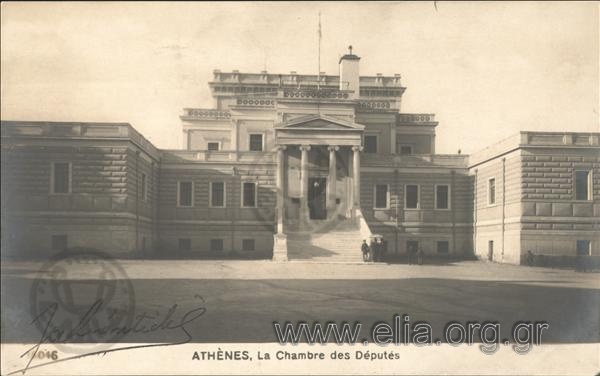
412,246
316,198
583,247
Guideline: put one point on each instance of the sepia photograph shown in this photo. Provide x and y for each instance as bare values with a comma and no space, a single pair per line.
300,188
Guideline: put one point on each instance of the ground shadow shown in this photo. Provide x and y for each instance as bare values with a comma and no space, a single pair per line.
446,261
310,252
245,310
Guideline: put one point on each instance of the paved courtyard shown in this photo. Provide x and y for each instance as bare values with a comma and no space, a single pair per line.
244,298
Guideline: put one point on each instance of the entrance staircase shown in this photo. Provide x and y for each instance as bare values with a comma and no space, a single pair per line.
337,242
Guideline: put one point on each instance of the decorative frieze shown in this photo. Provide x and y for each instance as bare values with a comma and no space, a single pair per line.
315,93
255,102
202,113
375,106
416,118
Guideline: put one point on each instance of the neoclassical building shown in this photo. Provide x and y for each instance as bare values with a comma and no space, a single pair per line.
297,167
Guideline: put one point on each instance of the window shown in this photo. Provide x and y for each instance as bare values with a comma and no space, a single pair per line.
442,197
248,195
406,150
492,191
144,188
370,144
217,194
216,245
213,146
582,185
185,244
443,246
256,142
59,242
185,193
61,177
248,245
583,247
412,197
381,196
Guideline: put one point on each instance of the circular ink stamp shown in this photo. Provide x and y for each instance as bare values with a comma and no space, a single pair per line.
82,301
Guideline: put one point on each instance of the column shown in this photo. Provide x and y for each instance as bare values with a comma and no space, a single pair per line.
280,239
304,182
187,139
356,175
235,139
280,187
393,138
331,180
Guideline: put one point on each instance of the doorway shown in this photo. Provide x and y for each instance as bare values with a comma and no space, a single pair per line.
491,250
583,247
412,246
316,197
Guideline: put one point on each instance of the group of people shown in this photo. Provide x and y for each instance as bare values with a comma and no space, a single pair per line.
415,253
375,252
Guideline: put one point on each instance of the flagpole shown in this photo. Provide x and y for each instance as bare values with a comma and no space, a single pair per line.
319,64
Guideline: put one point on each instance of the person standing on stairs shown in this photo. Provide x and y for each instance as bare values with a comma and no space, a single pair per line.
366,251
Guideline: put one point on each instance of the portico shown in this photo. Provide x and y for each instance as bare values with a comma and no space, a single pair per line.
318,170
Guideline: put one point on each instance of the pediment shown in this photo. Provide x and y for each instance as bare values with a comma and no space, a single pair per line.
315,122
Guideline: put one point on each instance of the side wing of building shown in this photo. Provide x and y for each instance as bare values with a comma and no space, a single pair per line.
67,185
538,192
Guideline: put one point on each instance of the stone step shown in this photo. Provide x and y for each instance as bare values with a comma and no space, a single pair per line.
328,240
331,245
331,240
302,251
326,259
332,249
334,243
316,246
332,236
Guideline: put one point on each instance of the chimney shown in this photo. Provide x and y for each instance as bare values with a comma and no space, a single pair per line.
349,75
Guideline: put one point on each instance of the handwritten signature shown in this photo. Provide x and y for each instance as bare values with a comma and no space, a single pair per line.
143,323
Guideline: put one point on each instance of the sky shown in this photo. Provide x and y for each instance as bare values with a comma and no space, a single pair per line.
487,70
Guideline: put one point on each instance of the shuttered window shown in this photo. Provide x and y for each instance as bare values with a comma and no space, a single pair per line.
381,196
217,194
249,195
185,193
256,142
442,197
61,177
412,196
